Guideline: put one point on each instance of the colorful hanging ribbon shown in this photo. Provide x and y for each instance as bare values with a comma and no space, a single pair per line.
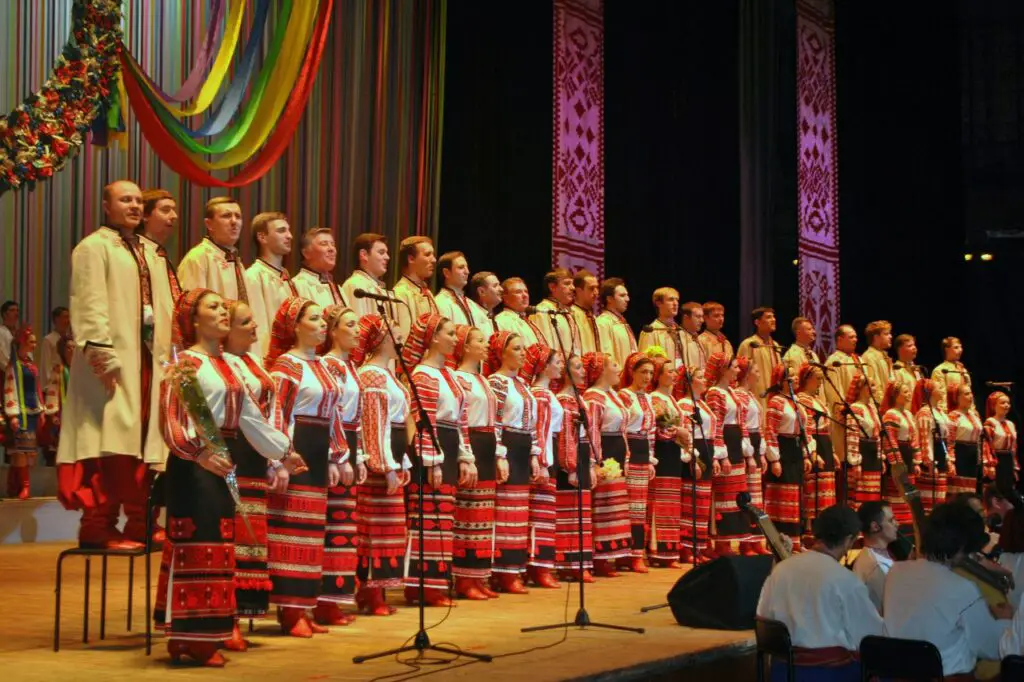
204,58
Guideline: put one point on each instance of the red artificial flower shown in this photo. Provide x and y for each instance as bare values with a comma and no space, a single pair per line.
60,147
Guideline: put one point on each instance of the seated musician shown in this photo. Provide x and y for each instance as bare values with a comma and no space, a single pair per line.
873,563
825,607
1011,556
927,599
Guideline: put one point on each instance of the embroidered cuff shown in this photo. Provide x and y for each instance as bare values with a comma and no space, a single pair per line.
763,447
854,460
686,455
772,454
102,358
721,452
500,451
747,447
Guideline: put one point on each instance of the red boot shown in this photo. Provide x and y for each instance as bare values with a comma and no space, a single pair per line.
431,596
542,577
509,583
637,565
295,623
23,491
370,600
485,589
328,613
203,653
604,569
467,588
749,548
237,642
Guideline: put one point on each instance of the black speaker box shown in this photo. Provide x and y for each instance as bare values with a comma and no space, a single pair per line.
722,594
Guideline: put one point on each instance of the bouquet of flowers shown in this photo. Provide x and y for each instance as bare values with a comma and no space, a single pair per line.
609,470
664,420
183,376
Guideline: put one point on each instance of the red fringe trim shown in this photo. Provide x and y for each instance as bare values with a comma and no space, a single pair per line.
254,584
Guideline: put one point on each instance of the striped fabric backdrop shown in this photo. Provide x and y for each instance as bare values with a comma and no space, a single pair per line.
366,157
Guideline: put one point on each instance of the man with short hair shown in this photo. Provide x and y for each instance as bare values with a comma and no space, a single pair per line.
561,293
802,350
842,365
877,363
106,418
269,283
416,262
587,289
665,331
486,291
825,607
951,372
370,260
904,368
516,298
874,561
315,279
214,263
10,314
762,350
712,340
60,318
926,600
617,337
451,298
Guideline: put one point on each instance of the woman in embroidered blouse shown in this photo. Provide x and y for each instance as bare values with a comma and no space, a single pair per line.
255,474
789,457
748,377
516,423
641,430
23,401
446,459
1001,440
964,441
863,433
305,407
387,430
672,449
474,505
340,553
934,463
820,484
901,429
197,611
55,395
694,522
543,366
576,469
607,417
732,448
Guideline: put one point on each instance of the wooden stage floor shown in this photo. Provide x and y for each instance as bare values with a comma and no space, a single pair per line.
26,634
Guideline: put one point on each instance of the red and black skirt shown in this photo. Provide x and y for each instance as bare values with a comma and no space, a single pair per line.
820,484
512,507
967,463
436,519
664,503
695,501
730,522
891,493
638,483
542,522
612,534
297,521
782,500
869,484
381,524
196,589
755,479
252,577
338,584
474,511
933,483
573,524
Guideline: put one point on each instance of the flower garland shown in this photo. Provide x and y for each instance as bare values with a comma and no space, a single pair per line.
48,128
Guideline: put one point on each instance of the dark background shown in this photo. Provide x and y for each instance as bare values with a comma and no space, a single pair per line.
930,123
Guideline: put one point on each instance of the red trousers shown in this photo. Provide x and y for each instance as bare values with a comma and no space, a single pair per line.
100,488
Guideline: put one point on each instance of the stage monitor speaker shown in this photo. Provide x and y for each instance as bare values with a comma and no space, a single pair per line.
722,594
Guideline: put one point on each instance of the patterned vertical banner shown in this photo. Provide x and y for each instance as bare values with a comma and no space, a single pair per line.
578,145
818,168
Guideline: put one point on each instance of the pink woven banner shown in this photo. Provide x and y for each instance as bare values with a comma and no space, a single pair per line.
818,168
578,146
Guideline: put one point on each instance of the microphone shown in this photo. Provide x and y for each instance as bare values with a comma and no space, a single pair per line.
999,384
951,371
648,329
386,297
757,344
533,310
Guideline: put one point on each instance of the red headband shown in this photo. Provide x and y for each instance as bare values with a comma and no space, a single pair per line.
537,358
461,336
629,368
183,332
990,403
922,394
282,333
372,333
593,366
716,364
496,350
420,336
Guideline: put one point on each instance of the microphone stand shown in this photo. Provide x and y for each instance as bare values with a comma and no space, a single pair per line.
937,436
788,382
421,640
582,619
846,412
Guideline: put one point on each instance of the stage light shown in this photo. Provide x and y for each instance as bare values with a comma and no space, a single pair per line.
968,257
796,261
986,257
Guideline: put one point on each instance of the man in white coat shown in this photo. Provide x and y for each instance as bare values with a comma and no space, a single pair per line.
102,459
370,260
268,283
214,263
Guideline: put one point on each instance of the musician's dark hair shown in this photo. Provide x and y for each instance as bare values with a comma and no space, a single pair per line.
608,288
953,527
757,313
872,511
835,524
7,306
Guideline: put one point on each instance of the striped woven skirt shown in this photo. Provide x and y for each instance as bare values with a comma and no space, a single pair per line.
891,493
730,522
612,536
381,526
436,520
967,479
569,511
474,512
196,590
869,484
820,484
664,502
755,480
934,482
512,507
542,522
340,554
782,494
638,482
252,577
695,500
297,520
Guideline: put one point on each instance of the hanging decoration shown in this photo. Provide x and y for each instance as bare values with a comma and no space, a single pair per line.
48,128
